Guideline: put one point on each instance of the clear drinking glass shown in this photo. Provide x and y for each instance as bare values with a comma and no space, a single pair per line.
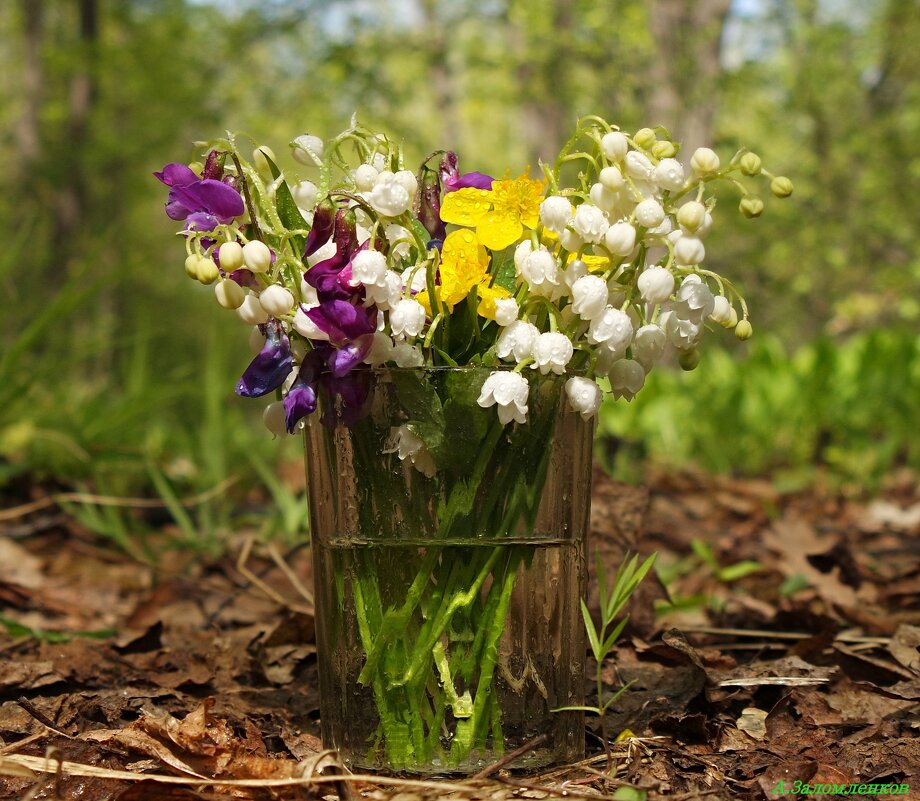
447,605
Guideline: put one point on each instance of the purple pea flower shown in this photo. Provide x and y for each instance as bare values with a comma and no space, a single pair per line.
301,398
267,371
452,179
342,321
202,202
428,203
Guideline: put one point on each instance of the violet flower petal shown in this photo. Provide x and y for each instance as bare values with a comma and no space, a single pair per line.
176,174
470,180
298,403
211,196
344,360
271,365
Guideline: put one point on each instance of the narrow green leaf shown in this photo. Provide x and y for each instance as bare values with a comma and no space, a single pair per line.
592,632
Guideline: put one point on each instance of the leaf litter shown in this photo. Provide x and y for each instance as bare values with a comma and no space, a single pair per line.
780,641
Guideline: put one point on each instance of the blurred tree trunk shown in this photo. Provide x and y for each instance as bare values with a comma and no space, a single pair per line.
28,134
72,182
685,72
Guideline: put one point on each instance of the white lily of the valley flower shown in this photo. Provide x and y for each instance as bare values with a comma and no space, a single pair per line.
326,251
704,161
407,318
585,396
419,279
508,391
517,340
389,196
626,378
638,165
369,267
614,145
305,194
387,294
229,293
506,311
669,174
251,312
365,177
612,328
691,216
257,256
540,271
407,180
682,334
406,355
556,213
574,270
604,198
649,213
381,350
694,300
276,300
273,419
552,351
721,310
620,239
590,223
308,149
407,445
648,345
656,284
521,252
612,178
571,241
589,296
689,250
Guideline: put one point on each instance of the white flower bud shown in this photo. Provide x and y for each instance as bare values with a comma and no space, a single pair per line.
603,198
694,300
626,378
273,419
365,177
506,311
259,160
589,296
649,213
590,223
407,318
406,355
369,267
251,312
704,161
556,213
620,239
304,326
656,284
308,149
648,345
706,226
541,272
574,270
669,174
614,145
386,294
276,300
407,180
230,255
229,294
389,196
509,392
612,328
585,396
256,340
517,340
257,256
638,165
612,178
721,310
521,252
691,216
688,250
381,350
571,241
206,270
305,194
308,293
552,351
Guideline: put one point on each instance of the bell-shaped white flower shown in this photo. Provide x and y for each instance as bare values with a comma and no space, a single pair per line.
638,165
251,312
506,311
552,351
626,378
407,318
574,270
656,284
694,300
521,252
509,392
381,350
517,340
648,345
407,445
721,310
541,272
406,355
308,149
365,177
612,328
612,178
276,300
369,267
274,420
571,241
556,213
590,223
585,396
407,180
614,145
683,334
305,194
604,198
620,239
389,196
688,250
669,174
257,256
649,213
589,296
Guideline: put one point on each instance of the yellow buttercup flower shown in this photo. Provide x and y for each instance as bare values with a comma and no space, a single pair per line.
487,297
499,214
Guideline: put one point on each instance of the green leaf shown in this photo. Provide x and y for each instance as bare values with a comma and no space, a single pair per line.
592,633
704,551
506,276
594,709
288,211
614,635
738,570
617,695
629,794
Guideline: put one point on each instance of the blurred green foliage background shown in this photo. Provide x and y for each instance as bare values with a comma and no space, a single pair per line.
117,372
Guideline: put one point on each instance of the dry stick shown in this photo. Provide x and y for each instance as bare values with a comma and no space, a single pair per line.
257,582
507,759
26,704
290,575
782,635
108,500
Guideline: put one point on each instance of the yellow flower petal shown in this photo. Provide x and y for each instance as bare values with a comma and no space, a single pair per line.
422,297
463,264
487,297
497,231
466,206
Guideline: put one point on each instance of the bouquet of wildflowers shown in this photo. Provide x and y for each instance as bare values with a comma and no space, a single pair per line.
586,275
